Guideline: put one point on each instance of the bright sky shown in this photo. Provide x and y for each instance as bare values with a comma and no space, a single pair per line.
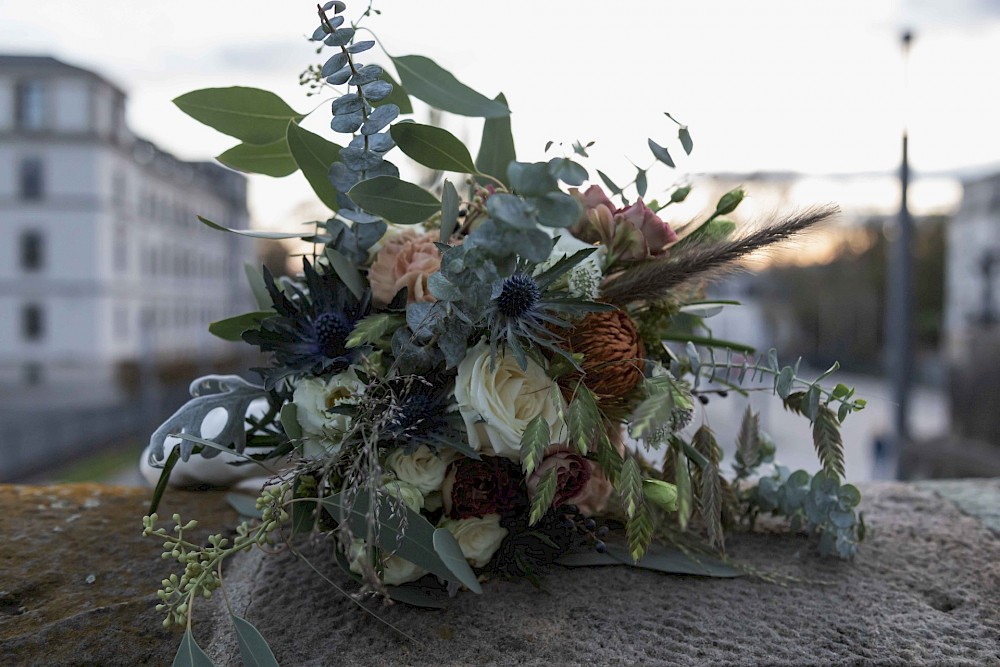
770,85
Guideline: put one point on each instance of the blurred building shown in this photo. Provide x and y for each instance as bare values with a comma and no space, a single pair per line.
103,263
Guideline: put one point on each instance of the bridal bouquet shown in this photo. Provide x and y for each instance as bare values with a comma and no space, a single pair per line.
490,374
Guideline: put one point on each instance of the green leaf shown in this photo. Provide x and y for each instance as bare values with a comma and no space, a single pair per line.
273,159
314,155
639,532
189,654
253,648
534,440
398,96
256,280
630,487
417,596
426,80
251,115
395,200
710,491
658,558
660,493
661,153
707,341
545,493
254,234
609,458
685,136
496,150
783,384
682,476
449,211
826,438
244,505
161,484
347,272
609,183
652,414
373,328
289,419
417,542
583,419
232,328
433,147
748,439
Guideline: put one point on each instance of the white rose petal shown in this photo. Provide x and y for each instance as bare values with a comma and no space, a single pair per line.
478,537
323,430
395,570
423,468
497,405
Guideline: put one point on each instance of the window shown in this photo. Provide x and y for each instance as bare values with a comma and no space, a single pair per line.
30,105
32,322
32,251
32,179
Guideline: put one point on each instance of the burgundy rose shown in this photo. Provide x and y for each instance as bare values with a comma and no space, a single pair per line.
473,488
579,481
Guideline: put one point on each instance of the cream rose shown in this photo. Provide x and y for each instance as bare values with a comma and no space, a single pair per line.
423,468
479,537
408,493
395,570
313,397
498,404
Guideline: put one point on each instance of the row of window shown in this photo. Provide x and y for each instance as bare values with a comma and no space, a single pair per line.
33,321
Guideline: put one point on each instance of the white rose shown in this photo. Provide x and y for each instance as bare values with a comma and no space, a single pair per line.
408,493
323,430
423,468
498,404
584,279
479,537
395,570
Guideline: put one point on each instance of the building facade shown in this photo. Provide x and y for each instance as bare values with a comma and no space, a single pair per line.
102,259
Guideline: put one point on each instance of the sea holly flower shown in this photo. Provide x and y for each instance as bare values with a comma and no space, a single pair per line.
630,234
309,333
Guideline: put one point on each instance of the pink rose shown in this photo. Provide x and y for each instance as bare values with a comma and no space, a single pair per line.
406,260
632,233
579,481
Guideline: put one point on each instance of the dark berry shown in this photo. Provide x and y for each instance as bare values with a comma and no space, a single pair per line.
703,398
590,524
600,547
603,531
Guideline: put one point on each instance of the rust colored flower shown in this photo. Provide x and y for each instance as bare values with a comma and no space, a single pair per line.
612,350
492,485
406,260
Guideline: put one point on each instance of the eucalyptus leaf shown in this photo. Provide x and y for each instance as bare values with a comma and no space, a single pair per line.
253,648
379,118
251,115
290,421
685,137
657,558
661,153
395,200
397,97
255,234
419,542
273,159
189,654
244,505
232,328
433,147
428,81
314,155
256,281
496,148
449,211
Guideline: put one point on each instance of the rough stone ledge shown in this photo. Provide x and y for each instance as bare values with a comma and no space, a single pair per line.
924,590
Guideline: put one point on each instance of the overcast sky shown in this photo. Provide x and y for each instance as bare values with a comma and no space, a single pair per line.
797,85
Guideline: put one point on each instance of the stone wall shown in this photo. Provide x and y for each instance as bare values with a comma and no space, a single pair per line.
76,582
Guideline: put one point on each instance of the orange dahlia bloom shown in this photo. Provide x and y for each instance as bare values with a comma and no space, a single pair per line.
613,352
406,260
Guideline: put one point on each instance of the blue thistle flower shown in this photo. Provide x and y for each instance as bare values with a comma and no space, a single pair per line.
309,332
